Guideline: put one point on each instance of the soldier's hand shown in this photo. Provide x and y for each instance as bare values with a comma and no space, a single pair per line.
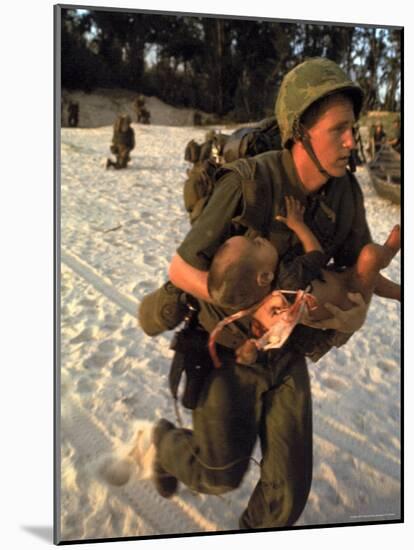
347,321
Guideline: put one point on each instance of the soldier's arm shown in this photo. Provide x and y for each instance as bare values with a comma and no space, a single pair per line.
188,278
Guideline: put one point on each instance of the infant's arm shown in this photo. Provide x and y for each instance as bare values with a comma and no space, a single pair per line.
294,220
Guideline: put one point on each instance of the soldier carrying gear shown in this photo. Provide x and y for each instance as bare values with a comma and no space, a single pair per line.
270,399
123,141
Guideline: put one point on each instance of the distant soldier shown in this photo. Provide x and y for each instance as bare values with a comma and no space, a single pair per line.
142,114
358,152
123,141
378,138
197,119
73,114
145,116
395,140
138,104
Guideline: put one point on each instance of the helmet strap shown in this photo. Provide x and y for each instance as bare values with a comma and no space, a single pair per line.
303,135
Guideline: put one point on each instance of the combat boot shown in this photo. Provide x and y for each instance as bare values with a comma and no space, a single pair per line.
165,484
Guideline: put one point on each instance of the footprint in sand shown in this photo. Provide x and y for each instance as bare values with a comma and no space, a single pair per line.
375,375
110,323
146,215
97,360
131,224
106,351
108,347
88,302
119,367
135,350
85,385
150,260
387,366
142,286
86,335
335,384
131,332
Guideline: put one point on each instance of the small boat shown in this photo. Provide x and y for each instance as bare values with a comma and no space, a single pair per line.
385,172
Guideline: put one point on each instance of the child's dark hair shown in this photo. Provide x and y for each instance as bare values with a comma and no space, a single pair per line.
233,284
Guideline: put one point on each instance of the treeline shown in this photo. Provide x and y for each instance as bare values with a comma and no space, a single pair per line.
231,67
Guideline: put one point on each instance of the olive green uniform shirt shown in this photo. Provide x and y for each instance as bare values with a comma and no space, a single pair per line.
335,213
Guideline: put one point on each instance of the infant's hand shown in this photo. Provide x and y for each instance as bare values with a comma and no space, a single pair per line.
246,354
294,213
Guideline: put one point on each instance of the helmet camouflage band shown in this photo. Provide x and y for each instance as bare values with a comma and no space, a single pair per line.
305,84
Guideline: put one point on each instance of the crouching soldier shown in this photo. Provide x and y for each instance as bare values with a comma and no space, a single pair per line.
123,141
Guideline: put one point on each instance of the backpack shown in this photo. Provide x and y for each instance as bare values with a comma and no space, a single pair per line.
243,143
192,152
253,140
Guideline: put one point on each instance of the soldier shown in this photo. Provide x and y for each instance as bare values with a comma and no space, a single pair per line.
73,114
316,109
123,141
378,138
145,116
395,140
359,149
197,118
138,104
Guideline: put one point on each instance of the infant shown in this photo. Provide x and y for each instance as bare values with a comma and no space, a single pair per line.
242,273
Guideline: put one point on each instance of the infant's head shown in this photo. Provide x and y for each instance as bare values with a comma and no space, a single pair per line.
241,272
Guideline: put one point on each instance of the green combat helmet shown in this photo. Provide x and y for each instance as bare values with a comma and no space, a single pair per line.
303,85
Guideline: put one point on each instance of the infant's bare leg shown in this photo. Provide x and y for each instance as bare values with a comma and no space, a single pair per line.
362,277
372,258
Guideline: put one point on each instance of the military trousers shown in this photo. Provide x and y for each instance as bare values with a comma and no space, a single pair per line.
238,404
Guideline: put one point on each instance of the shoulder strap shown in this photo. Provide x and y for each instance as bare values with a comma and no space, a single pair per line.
257,196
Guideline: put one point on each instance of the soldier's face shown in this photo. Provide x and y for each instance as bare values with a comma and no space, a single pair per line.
332,136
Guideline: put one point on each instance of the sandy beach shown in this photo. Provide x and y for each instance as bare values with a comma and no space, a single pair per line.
119,230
